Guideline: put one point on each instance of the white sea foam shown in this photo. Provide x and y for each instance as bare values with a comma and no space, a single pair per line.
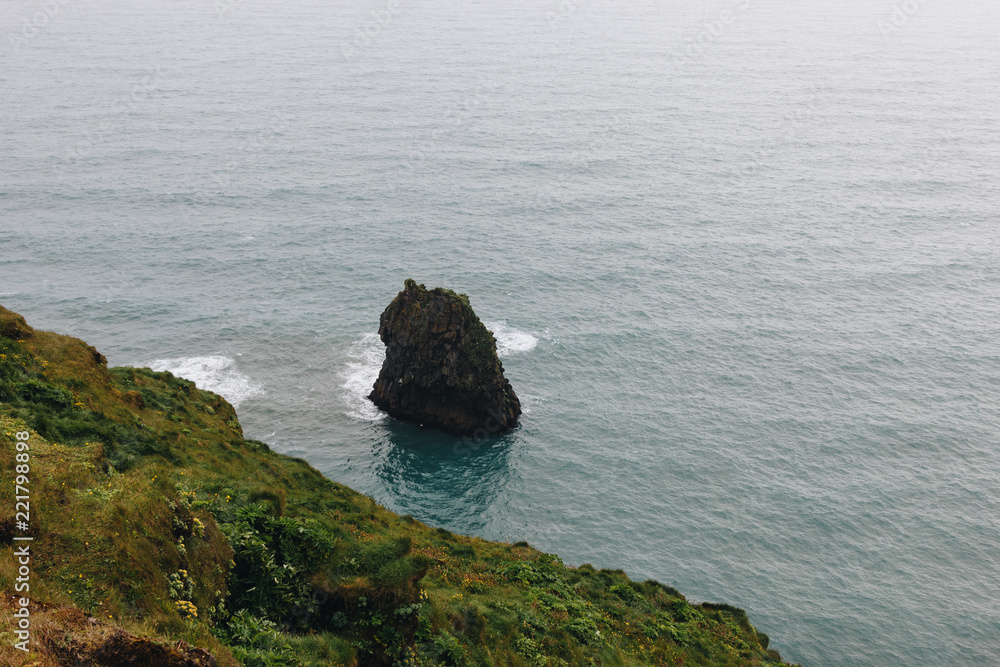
509,340
213,373
364,362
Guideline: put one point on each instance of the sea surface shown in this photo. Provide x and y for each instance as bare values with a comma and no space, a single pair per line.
740,257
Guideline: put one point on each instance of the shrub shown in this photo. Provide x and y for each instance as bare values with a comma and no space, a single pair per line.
249,631
683,612
626,593
400,571
372,557
528,649
583,628
447,649
47,394
256,642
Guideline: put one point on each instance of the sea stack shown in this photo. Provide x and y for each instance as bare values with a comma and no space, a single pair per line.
441,367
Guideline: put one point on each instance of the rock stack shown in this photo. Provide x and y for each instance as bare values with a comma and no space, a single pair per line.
441,367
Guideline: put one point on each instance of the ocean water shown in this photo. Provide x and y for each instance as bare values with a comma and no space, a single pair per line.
741,259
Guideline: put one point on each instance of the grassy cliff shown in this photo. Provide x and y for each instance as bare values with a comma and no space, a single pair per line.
163,537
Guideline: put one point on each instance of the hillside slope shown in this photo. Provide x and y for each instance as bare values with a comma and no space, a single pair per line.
162,536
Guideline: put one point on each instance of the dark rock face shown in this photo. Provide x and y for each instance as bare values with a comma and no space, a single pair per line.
441,367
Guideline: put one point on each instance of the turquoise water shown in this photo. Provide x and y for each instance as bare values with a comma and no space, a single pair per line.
743,273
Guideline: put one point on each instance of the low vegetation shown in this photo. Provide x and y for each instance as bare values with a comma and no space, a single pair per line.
163,536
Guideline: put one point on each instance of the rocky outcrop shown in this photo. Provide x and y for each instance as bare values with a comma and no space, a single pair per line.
441,367
13,325
70,637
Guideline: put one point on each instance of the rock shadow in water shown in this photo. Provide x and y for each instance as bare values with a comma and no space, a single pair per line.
441,479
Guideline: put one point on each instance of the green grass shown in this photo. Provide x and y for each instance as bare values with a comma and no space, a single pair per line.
152,512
